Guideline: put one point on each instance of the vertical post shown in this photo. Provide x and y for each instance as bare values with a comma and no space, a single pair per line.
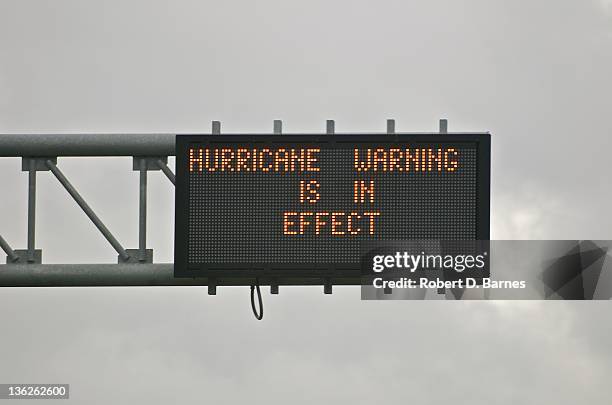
212,286
278,127
277,130
443,129
216,127
330,127
31,210
390,131
212,282
390,126
443,126
330,130
142,229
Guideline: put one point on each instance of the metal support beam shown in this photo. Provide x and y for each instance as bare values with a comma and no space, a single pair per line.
12,256
142,214
164,168
123,274
37,145
89,275
31,210
88,211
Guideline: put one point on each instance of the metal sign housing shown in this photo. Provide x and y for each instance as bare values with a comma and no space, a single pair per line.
294,209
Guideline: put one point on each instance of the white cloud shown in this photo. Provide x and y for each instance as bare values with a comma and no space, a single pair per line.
529,212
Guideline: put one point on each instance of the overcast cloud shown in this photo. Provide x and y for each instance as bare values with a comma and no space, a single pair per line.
536,74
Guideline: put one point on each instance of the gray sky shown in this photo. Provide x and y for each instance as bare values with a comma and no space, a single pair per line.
536,74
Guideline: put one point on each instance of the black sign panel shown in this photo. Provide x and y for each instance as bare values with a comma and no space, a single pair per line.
293,208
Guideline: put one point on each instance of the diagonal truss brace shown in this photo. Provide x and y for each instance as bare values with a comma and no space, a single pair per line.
10,253
123,254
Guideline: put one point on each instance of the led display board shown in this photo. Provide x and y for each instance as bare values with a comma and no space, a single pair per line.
293,209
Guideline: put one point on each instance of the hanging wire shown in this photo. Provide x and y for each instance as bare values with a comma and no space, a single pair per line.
258,315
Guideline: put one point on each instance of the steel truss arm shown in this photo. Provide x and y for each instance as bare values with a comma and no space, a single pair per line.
150,151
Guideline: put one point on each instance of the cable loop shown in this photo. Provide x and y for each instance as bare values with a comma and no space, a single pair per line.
259,315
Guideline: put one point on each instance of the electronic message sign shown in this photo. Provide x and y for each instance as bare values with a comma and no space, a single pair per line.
288,208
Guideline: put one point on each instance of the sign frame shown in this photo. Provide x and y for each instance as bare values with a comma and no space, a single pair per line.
308,274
